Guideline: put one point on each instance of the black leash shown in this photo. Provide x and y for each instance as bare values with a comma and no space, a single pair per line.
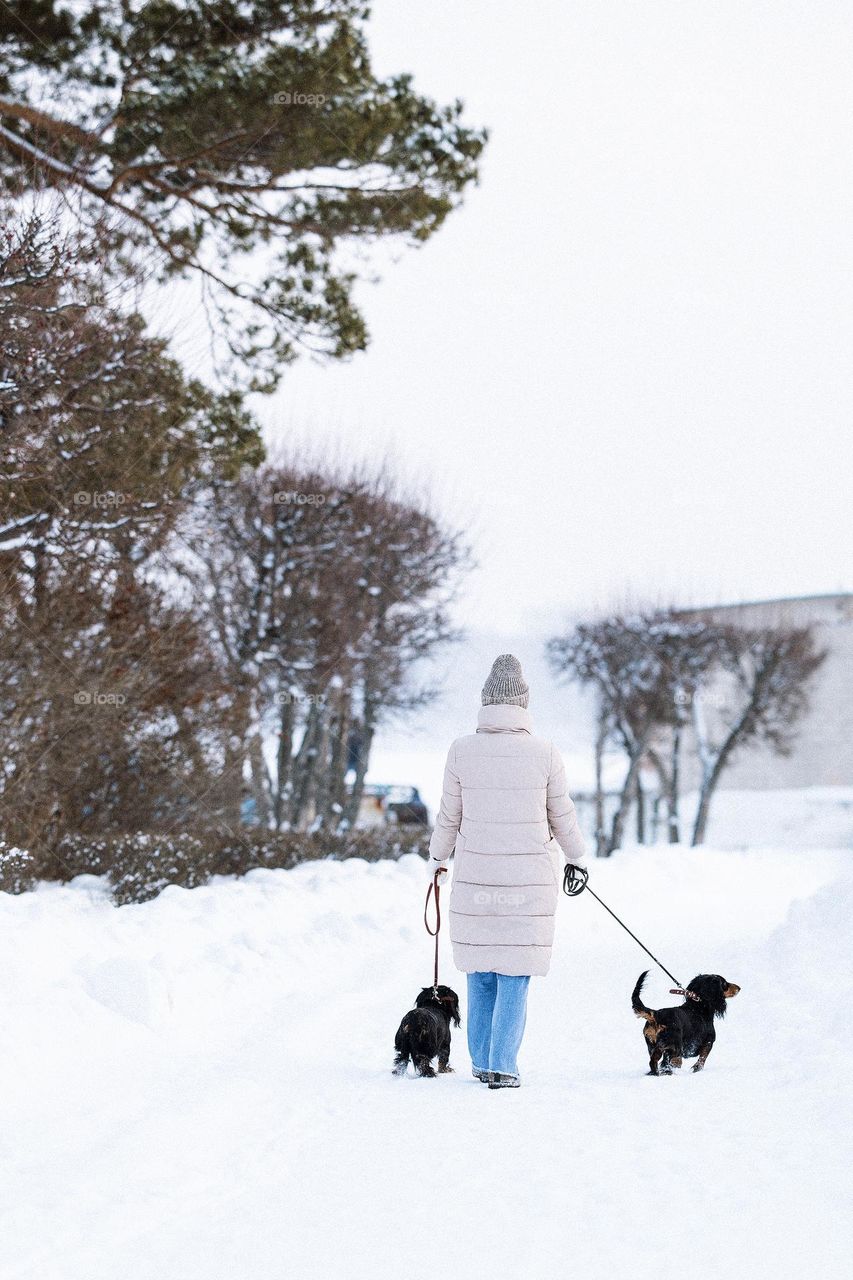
575,880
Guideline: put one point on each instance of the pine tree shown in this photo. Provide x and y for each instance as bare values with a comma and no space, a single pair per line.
249,144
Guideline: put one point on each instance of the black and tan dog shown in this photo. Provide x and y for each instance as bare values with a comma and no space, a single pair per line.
686,1030
424,1033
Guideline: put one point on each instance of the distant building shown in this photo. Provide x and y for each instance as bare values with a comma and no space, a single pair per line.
822,750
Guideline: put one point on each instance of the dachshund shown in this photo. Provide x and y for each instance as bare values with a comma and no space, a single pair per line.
424,1033
685,1030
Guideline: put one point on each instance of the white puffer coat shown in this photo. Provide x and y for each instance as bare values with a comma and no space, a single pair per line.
507,813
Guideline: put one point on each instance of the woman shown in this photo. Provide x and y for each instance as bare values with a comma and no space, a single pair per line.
506,812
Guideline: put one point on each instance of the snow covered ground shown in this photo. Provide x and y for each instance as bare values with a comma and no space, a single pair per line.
199,1087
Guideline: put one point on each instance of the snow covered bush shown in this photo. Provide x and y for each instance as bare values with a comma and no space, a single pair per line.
139,865
17,869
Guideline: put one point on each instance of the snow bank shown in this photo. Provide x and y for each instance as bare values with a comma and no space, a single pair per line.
199,1086
802,818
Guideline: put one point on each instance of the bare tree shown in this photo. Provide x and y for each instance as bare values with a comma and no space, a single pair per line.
653,673
690,651
411,571
769,672
624,659
323,590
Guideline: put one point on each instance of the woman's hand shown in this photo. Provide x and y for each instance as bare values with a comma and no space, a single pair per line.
440,867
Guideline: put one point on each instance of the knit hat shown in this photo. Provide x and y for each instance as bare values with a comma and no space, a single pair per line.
506,683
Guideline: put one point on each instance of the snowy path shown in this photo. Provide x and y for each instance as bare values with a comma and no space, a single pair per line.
199,1087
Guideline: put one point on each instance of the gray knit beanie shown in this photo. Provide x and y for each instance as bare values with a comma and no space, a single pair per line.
506,683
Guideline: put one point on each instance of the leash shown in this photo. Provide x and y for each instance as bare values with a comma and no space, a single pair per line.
434,887
575,880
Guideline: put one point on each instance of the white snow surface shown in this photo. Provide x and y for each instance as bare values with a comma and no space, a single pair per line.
199,1087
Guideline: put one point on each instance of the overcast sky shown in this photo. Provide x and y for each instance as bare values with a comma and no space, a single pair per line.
626,364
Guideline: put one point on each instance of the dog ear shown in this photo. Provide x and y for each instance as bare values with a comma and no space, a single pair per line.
719,1002
711,989
454,1011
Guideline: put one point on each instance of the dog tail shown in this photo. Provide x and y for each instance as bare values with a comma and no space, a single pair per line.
641,1010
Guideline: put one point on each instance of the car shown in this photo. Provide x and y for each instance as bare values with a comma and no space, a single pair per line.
389,802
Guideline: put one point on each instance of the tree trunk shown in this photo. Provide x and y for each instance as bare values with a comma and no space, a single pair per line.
655,818
339,732
231,781
318,797
673,783
260,779
641,809
354,802
600,834
709,786
617,830
701,823
712,768
303,765
39,596
284,761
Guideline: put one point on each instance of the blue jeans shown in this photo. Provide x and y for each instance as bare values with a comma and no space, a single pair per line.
497,1012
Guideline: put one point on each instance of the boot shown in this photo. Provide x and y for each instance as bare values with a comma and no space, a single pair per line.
499,1080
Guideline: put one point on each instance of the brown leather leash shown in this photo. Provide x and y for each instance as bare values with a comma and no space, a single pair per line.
434,887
